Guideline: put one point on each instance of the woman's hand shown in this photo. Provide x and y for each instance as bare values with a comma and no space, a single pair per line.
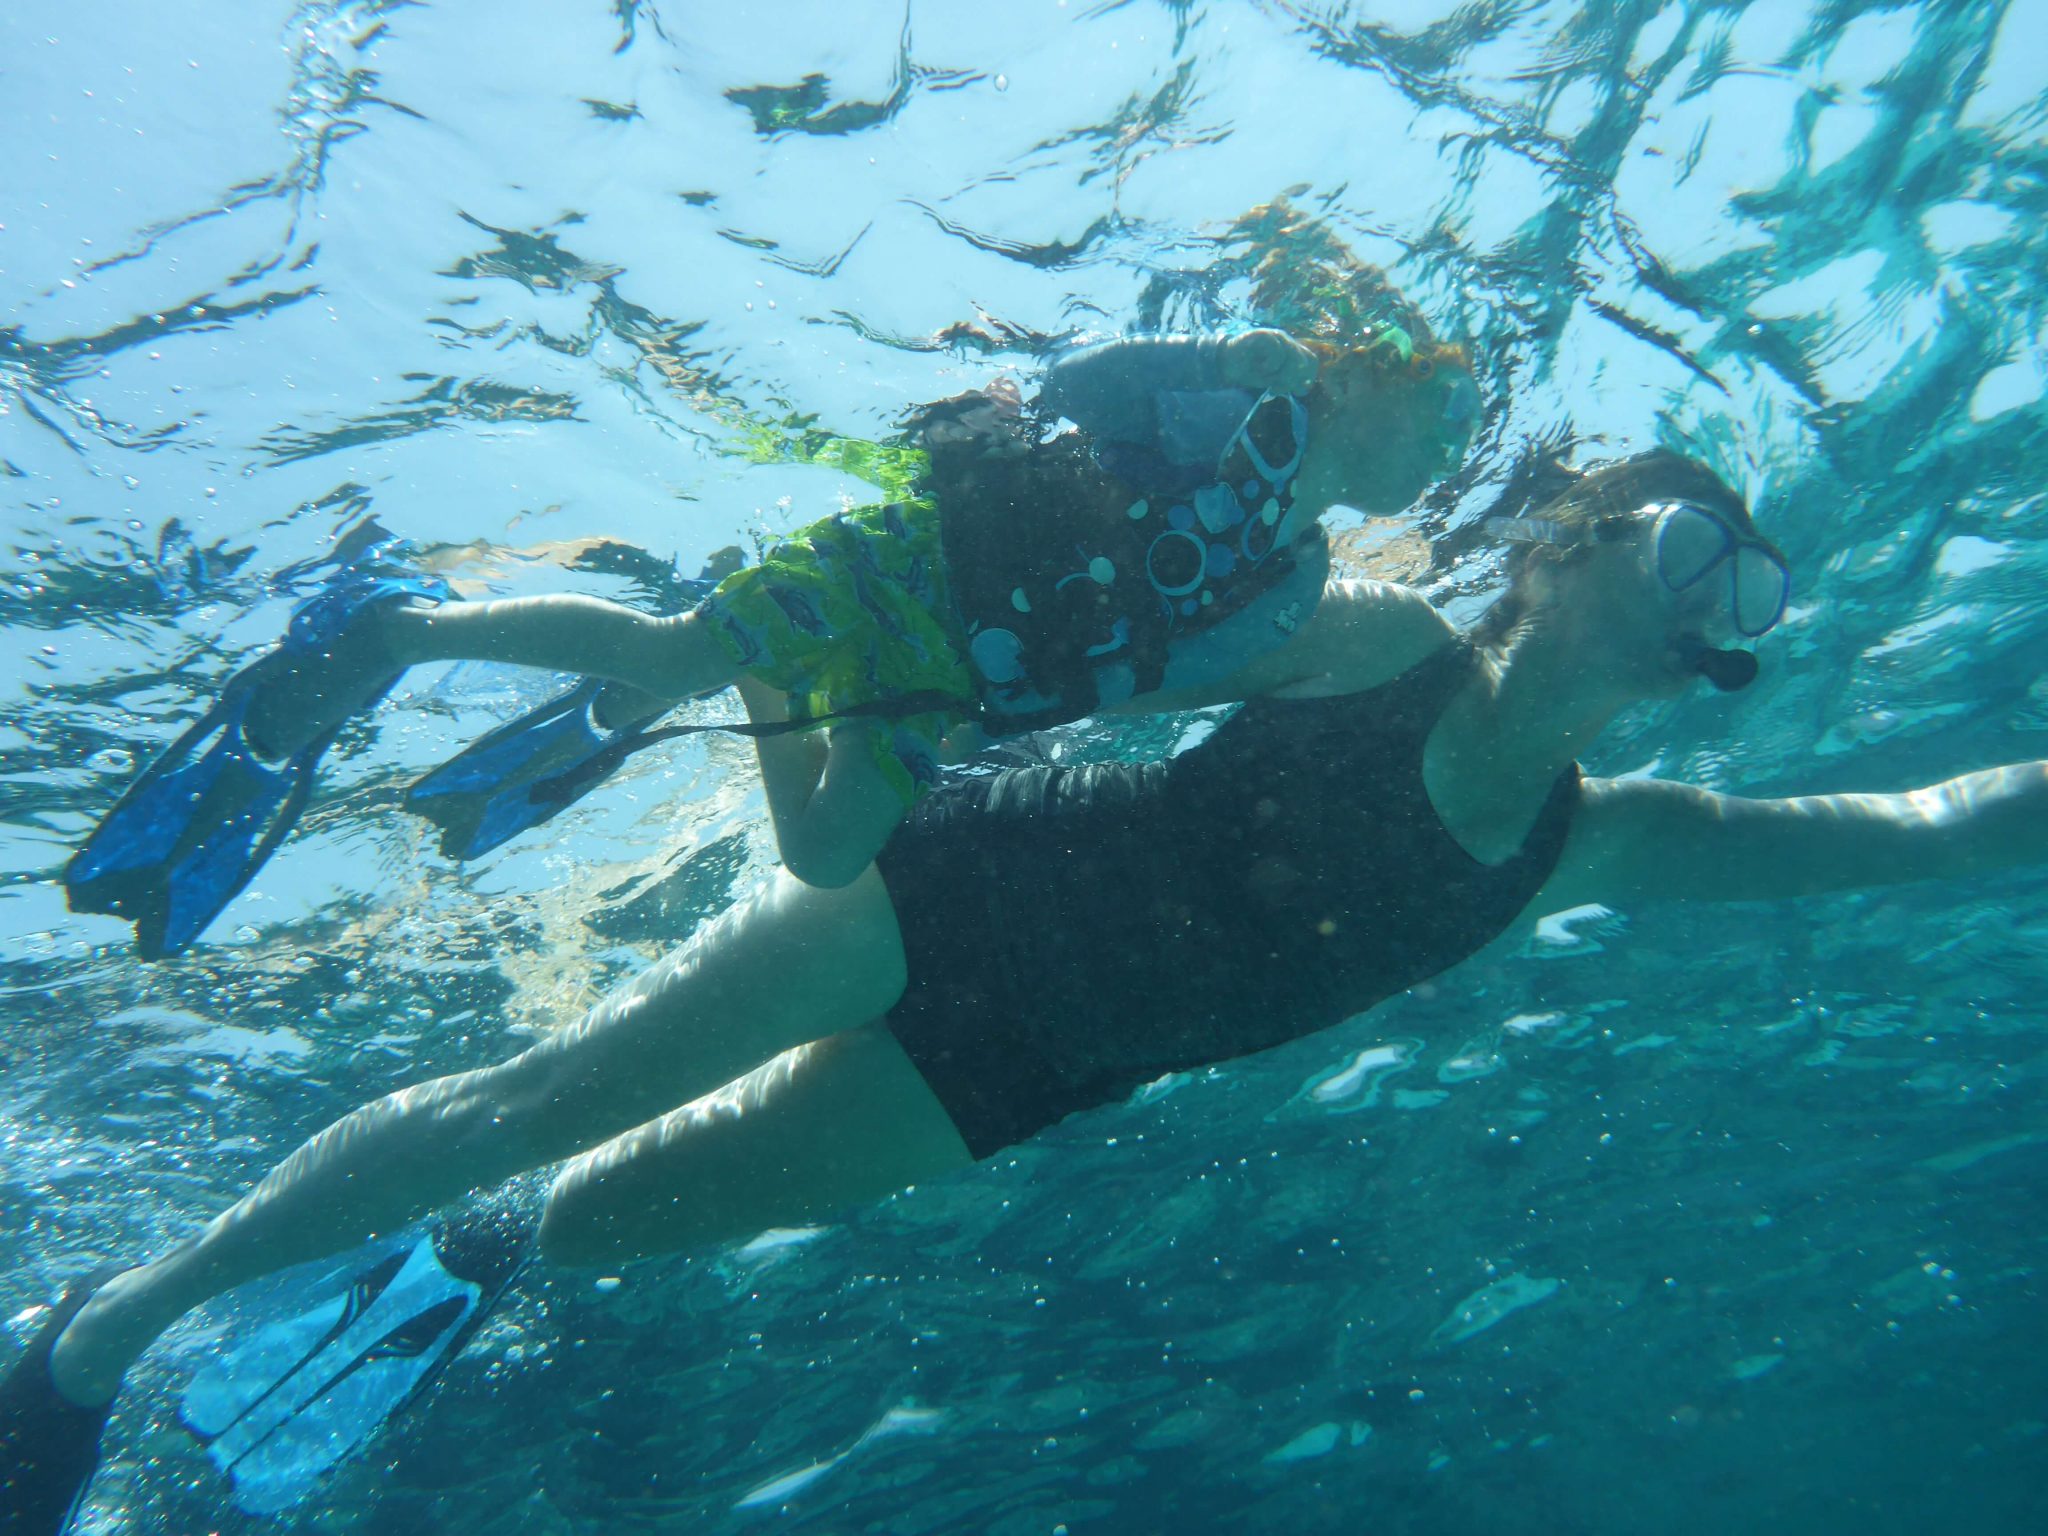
1271,360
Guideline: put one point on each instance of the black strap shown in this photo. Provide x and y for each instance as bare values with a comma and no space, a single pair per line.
564,787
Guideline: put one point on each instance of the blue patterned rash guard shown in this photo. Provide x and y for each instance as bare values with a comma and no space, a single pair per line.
1206,563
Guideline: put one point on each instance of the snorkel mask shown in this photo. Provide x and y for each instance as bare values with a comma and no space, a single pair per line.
1694,544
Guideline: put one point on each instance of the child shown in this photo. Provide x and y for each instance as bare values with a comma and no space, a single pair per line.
1162,551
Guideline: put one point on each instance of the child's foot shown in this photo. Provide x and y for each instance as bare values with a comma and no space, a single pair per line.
302,691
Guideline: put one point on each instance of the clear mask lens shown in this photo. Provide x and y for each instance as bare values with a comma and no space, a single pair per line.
1461,403
1762,588
1689,544
1460,416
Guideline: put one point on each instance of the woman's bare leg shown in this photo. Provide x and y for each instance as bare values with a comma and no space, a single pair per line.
826,1126
791,964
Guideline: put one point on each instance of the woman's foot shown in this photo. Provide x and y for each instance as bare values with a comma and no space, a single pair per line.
49,1443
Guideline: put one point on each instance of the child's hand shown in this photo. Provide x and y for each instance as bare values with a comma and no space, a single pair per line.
1269,360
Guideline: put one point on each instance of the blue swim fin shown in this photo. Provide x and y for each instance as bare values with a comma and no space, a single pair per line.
486,794
280,1409
194,829
527,769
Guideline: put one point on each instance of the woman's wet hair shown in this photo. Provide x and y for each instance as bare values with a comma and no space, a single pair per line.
1624,486
990,458
986,422
1590,498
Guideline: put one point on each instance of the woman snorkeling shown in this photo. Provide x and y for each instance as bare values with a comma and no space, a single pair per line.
1361,825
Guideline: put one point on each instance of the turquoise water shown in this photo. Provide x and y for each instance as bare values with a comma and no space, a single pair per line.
1748,1198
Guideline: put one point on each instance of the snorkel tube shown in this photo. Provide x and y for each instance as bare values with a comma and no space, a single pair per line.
1729,671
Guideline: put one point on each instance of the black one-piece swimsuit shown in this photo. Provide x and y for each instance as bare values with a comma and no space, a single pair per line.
1073,933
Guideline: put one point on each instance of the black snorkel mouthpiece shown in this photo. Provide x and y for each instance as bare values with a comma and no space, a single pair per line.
1728,671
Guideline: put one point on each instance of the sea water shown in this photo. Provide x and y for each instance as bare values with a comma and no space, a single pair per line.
1688,1220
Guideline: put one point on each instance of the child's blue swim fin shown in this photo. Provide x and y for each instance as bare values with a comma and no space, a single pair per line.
489,792
194,829
527,769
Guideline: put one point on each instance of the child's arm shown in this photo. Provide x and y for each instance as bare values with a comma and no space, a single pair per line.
831,807
1361,634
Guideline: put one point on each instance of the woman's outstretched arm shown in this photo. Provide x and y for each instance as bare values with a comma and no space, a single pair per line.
1650,839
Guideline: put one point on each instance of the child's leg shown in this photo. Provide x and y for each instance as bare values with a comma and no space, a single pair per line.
668,658
792,763
658,660
845,616
833,802
857,804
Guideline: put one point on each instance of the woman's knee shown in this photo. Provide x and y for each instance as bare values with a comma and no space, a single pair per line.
573,1226
576,1227
790,965
820,1128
